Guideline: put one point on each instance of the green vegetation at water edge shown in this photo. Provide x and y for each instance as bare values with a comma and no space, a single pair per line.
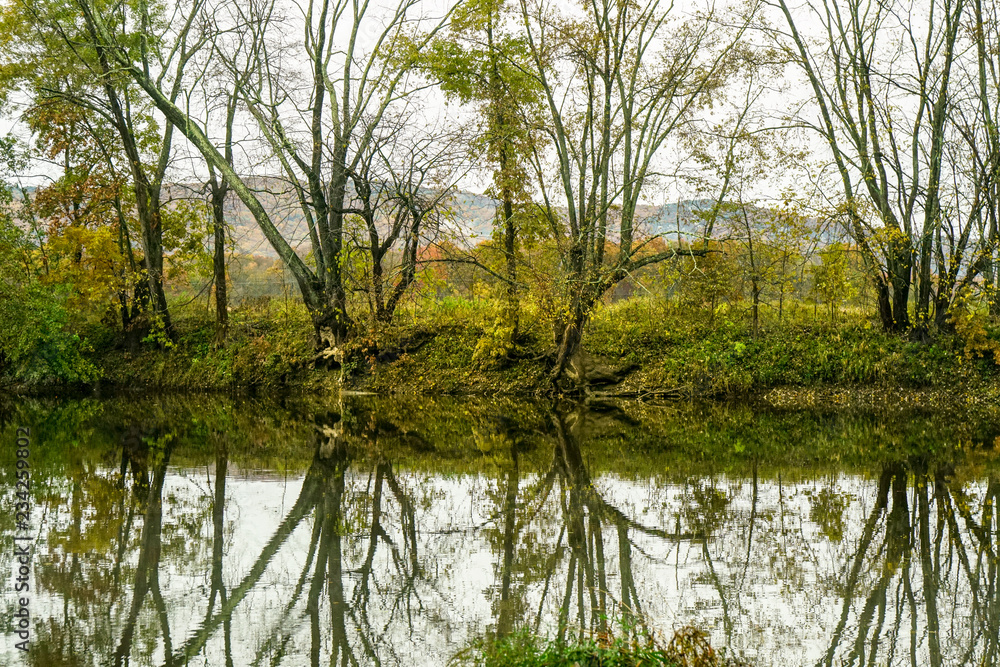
689,647
648,347
528,652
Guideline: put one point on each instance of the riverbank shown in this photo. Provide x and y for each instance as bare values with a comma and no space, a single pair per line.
644,349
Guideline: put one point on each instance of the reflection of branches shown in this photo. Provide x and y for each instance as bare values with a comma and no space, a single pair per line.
406,567
753,517
330,555
387,502
149,561
311,488
283,626
161,614
990,516
726,615
924,534
218,538
362,559
505,619
125,530
407,517
575,471
550,569
867,535
325,494
585,514
928,571
630,596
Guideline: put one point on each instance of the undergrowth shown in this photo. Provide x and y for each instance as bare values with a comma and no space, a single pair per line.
466,346
689,647
721,355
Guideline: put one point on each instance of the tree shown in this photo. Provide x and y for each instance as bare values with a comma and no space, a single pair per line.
881,88
73,67
776,243
87,201
831,283
220,86
618,80
83,218
975,115
402,187
484,61
315,130
743,163
219,191
34,345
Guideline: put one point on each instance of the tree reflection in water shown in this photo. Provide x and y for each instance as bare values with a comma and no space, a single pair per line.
394,550
912,552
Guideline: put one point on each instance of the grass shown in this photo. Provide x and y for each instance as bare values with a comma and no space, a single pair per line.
689,647
720,355
526,653
451,347
268,346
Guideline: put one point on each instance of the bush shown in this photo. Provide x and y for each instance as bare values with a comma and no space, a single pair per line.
689,647
35,347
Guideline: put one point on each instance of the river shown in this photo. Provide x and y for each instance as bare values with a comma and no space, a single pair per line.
212,530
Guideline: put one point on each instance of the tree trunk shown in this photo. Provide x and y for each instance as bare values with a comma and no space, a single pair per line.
219,191
923,305
502,122
332,312
993,287
900,280
331,325
152,246
569,335
377,289
147,199
942,311
512,315
884,305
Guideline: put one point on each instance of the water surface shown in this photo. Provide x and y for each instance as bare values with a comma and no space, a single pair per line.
219,531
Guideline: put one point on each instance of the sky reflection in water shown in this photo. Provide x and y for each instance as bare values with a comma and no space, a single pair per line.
219,531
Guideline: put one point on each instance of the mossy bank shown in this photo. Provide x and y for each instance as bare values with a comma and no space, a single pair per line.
648,350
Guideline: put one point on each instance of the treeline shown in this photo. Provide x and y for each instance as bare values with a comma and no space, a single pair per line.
848,152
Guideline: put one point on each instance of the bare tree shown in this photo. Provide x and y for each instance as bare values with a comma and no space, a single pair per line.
880,74
618,81
319,86
975,113
402,189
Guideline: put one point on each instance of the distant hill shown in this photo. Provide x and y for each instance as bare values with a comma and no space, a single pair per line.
471,219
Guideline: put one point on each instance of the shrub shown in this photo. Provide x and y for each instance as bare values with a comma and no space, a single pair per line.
34,344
